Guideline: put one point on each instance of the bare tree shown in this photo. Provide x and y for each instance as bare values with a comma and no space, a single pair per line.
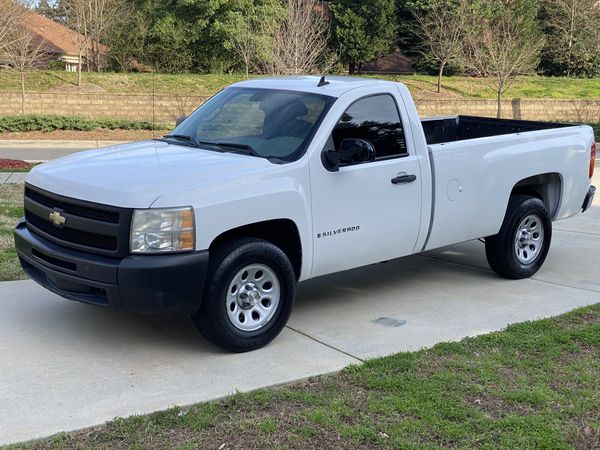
25,53
102,16
300,42
244,44
11,15
92,19
500,49
573,37
443,29
77,17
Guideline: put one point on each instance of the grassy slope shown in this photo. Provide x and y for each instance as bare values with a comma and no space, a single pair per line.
11,209
526,87
534,385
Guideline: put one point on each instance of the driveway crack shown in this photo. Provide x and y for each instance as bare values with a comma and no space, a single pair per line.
326,344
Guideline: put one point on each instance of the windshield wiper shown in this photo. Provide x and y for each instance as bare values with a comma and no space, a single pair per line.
244,149
241,148
184,137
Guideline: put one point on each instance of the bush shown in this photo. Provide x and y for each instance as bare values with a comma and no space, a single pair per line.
50,123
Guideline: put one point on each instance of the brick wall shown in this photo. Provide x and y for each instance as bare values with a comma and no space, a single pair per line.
167,107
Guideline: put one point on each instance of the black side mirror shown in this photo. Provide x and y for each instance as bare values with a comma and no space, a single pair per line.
351,151
179,120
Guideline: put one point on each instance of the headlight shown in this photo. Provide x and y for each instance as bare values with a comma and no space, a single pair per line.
162,230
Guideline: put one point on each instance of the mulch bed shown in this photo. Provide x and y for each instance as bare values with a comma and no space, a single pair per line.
13,164
72,135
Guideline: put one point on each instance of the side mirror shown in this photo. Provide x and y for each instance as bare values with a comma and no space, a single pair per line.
351,151
179,120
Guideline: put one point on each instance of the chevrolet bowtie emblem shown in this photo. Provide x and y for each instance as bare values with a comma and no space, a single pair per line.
57,218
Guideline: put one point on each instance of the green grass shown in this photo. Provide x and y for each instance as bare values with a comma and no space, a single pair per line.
534,385
11,209
50,80
202,85
524,87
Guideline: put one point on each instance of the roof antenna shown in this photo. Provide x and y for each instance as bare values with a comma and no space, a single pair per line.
322,82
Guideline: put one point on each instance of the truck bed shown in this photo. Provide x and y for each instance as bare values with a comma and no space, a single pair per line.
473,178
440,130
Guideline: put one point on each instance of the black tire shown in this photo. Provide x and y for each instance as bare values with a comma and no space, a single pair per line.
500,249
212,319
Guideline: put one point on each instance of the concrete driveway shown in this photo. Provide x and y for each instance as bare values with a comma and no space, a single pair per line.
67,366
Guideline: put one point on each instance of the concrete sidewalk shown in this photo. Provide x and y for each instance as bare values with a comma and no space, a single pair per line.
66,365
12,177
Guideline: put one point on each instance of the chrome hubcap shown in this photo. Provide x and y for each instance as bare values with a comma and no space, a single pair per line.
529,239
253,297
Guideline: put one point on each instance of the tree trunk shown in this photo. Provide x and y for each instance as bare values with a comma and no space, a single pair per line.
79,68
440,74
22,92
97,51
499,113
351,68
360,64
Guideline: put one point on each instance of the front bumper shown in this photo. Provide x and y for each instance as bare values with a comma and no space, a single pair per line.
589,199
144,283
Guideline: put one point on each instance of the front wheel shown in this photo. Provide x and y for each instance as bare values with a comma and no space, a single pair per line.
249,296
520,248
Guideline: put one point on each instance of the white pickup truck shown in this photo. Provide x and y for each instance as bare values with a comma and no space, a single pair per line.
275,181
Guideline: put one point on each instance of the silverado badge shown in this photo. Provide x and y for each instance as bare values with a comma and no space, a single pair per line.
57,218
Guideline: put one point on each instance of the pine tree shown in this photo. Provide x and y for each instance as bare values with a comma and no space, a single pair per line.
363,30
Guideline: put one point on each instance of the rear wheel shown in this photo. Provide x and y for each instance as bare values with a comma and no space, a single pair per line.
520,248
249,296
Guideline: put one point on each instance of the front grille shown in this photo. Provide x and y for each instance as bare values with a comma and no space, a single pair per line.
70,208
78,237
89,227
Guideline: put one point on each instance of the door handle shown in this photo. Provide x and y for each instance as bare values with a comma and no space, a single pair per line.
404,179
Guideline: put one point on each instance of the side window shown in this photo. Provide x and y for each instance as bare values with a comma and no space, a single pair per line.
374,119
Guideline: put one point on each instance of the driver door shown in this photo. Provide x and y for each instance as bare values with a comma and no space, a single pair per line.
368,211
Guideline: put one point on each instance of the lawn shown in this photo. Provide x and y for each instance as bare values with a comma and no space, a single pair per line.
525,87
11,209
534,385
49,80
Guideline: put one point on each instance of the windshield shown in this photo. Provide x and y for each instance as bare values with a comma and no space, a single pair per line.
268,123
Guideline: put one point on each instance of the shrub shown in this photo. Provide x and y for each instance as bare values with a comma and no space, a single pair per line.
50,123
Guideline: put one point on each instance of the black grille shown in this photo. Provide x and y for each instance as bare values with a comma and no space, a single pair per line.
70,208
78,237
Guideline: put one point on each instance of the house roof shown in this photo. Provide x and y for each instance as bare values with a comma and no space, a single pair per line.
58,37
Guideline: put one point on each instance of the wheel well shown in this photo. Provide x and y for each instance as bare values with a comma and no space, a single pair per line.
547,187
280,232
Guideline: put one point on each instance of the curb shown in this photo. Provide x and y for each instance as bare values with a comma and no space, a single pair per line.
50,144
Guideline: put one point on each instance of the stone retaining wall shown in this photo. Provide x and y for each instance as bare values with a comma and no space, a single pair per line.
525,109
165,108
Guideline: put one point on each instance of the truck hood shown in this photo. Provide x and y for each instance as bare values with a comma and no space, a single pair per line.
135,175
